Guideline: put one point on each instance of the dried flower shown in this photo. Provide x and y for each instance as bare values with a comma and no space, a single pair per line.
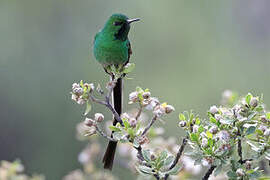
99,117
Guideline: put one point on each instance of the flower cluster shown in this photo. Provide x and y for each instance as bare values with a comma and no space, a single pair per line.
80,92
14,170
143,97
227,128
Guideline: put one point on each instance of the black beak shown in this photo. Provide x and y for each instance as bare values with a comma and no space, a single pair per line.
132,20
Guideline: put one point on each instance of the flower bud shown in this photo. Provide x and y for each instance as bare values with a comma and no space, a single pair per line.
132,122
133,96
153,102
146,95
213,129
75,85
240,172
248,164
89,122
143,140
195,128
169,109
253,102
182,123
204,142
91,86
153,157
263,118
262,128
159,111
99,117
267,132
218,117
78,91
213,110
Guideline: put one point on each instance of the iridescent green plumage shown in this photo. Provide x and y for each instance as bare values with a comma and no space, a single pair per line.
112,47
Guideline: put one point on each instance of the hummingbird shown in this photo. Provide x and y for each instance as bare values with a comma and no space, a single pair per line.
112,47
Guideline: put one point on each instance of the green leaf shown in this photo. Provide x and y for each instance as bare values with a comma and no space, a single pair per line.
130,131
182,117
126,124
252,115
175,170
209,135
218,170
250,130
213,120
81,83
201,129
268,115
146,155
146,170
248,98
113,128
198,122
117,135
226,121
129,68
193,137
163,155
88,108
136,143
169,160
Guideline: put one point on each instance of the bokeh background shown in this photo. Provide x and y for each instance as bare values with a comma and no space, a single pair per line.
186,52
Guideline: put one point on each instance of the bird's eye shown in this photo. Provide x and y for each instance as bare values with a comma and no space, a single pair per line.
117,23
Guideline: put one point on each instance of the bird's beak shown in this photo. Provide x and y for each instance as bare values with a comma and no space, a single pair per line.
132,20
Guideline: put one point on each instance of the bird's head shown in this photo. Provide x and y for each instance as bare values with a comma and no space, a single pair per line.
118,25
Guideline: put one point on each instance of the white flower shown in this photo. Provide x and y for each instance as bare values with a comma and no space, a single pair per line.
224,135
195,128
204,142
99,117
75,85
240,172
213,110
153,103
133,97
146,95
182,123
78,91
89,122
81,101
267,132
159,110
213,129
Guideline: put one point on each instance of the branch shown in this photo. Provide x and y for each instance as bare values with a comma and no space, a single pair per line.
239,148
103,134
209,172
149,125
178,155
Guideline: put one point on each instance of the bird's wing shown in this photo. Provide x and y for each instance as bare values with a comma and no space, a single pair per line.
129,51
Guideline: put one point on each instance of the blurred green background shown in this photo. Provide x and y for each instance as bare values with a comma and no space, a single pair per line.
187,52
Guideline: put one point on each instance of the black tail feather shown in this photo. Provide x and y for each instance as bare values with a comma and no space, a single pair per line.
117,103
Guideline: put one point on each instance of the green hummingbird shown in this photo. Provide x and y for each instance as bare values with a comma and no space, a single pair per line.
112,47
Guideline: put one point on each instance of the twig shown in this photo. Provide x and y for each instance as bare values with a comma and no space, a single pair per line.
149,125
103,134
178,155
139,112
209,172
239,148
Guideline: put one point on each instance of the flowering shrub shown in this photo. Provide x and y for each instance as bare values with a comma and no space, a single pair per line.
233,138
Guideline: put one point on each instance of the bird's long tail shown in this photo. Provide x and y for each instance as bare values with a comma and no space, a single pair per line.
117,103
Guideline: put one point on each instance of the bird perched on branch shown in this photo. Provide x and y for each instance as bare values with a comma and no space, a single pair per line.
112,47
